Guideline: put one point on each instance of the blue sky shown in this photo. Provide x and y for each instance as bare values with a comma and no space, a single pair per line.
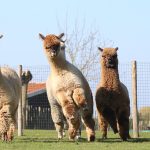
125,22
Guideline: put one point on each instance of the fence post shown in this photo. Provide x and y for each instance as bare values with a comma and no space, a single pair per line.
25,78
134,100
20,132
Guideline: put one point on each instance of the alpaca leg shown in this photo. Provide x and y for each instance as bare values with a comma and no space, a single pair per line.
70,111
103,124
65,126
4,136
57,119
123,122
89,124
73,128
4,125
78,136
110,117
12,125
72,116
10,132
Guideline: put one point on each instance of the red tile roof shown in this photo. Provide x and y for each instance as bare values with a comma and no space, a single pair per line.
33,87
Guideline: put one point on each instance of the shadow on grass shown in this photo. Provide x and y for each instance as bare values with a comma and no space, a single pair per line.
118,140
50,140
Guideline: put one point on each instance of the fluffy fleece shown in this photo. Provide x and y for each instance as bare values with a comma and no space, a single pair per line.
112,99
10,90
68,91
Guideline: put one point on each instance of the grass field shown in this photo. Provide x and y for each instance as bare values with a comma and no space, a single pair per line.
47,140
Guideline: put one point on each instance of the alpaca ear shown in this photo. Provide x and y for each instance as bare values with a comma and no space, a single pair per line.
41,36
100,49
28,73
61,35
116,48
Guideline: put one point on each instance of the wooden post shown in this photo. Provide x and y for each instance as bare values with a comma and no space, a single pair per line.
24,103
20,132
134,101
25,78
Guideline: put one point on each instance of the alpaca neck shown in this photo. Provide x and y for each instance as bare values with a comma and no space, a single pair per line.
110,78
57,64
1,77
2,82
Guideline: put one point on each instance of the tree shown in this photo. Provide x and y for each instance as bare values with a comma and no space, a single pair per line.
144,117
81,47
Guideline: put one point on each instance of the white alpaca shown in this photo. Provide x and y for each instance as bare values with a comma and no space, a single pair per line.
10,90
68,91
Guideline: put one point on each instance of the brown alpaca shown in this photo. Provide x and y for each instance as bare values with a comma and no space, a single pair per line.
112,98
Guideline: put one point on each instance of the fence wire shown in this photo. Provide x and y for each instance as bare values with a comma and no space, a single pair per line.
38,111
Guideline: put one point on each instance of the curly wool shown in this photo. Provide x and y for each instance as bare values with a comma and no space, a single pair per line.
112,98
4,123
10,91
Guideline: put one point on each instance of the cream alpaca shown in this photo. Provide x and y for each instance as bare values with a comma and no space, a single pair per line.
10,90
67,89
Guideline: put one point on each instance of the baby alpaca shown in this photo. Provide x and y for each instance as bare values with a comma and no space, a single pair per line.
112,98
10,90
68,91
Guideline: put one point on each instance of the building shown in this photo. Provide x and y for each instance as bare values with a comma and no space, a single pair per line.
38,109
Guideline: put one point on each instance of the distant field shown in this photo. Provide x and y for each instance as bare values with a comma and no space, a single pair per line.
47,140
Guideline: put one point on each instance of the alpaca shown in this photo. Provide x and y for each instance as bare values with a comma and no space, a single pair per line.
112,98
68,91
10,90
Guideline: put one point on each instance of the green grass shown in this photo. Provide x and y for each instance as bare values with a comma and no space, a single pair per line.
47,140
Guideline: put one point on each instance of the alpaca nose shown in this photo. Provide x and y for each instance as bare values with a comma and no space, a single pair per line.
53,53
110,60
85,108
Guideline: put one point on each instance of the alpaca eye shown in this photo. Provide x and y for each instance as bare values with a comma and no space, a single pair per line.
54,47
115,56
103,56
47,47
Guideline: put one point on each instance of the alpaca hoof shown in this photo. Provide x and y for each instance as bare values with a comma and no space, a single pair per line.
104,137
115,131
64,134
124,138
91,138
4,137
78,137
129,137
60,136
71,138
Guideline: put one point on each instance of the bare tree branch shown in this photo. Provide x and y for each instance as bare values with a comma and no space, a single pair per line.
81,47
1,36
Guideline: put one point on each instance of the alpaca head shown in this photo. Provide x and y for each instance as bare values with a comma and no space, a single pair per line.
109,57
53,45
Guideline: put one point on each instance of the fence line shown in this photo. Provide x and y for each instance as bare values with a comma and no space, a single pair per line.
20,131
37,97
134,100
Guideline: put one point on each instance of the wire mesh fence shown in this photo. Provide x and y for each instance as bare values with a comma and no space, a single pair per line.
38,110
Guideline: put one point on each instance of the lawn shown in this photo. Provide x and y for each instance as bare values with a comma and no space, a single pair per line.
46,140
